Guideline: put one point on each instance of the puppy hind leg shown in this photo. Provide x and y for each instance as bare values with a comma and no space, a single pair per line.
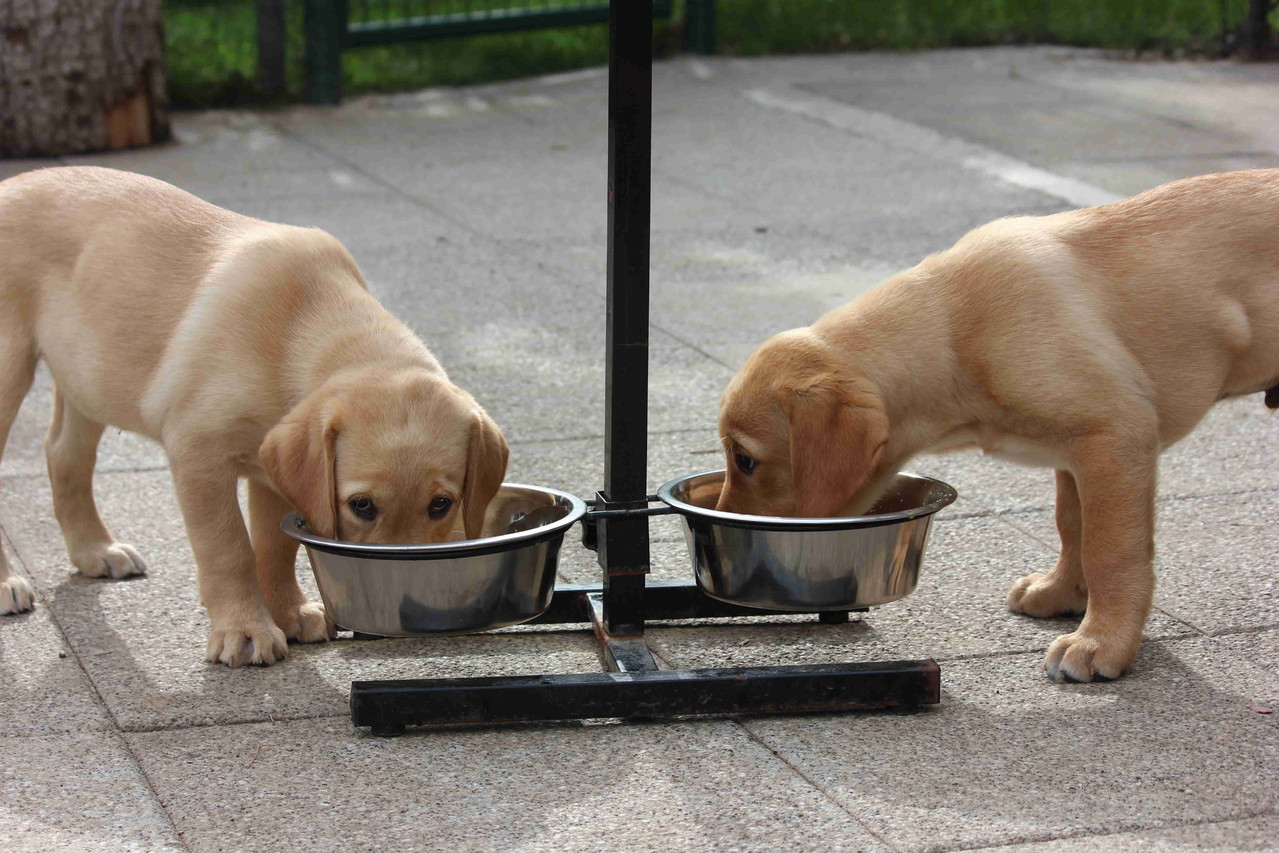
275,553
1063,590
17,370
71,450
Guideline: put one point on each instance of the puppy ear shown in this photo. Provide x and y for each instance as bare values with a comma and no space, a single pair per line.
299,457
486,459
836,439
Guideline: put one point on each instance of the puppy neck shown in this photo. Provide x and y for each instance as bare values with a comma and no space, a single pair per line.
356,335
901,343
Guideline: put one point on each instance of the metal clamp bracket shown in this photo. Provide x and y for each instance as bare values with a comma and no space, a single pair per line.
600,507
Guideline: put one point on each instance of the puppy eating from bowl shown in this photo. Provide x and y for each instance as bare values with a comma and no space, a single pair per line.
1086,341
249,350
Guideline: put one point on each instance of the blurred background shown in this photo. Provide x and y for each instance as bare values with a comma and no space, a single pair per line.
254,52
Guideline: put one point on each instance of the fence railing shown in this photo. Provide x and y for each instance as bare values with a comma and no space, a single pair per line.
238,52
333,26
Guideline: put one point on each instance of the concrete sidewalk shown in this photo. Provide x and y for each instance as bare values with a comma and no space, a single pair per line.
781,188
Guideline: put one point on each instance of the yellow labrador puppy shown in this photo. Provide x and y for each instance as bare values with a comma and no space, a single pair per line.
249,350
1087,341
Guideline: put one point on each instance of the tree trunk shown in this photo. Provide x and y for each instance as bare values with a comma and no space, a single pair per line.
81,75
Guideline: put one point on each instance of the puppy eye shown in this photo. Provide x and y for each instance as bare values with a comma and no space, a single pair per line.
744,463
363,507
439,507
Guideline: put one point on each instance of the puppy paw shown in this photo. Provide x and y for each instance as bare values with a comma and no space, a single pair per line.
306,622
1086,656
256,642
1043,595
109,560
16,595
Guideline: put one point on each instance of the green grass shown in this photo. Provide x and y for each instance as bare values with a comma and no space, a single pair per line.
212,52
754,27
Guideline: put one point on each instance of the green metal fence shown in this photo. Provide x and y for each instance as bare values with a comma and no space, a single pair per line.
219,55
333,26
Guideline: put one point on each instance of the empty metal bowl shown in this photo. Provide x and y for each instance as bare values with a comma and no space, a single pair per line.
504,578
805,564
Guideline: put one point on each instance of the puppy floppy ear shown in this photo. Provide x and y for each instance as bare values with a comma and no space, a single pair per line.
837,437
300,458
486,458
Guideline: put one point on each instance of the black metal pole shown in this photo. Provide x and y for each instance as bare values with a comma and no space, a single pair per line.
623,542
272,35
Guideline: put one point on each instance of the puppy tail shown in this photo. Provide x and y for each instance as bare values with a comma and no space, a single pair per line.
1272,397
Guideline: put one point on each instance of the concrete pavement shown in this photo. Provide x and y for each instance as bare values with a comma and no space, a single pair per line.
782,187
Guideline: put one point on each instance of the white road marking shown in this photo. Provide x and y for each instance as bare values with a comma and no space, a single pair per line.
894,131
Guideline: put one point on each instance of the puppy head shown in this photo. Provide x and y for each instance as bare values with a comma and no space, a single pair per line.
803,436
387,455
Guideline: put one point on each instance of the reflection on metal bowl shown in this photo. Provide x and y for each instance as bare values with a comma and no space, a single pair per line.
504,578
803,564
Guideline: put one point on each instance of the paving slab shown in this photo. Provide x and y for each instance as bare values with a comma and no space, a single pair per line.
691,786
141,641
1010,756
79,792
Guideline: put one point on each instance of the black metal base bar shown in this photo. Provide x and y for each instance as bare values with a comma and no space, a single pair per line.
387,707
618,654
662,600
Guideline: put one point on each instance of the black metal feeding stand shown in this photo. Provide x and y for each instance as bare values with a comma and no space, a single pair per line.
617,524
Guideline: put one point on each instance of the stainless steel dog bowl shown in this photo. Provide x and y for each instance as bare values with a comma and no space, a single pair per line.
504,578
808,563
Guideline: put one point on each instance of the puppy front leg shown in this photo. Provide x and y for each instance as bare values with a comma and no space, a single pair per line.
16,594
242,630
1063,590
275,552
1116,478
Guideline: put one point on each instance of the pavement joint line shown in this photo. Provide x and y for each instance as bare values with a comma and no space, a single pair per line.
1179,123
694,347
395,190
1031,535
815,783
1251,629
1085,834
227,724
890,130
1163,499
150,785
141,469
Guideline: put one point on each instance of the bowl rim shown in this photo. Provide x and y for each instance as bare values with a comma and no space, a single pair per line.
775,522
294,525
